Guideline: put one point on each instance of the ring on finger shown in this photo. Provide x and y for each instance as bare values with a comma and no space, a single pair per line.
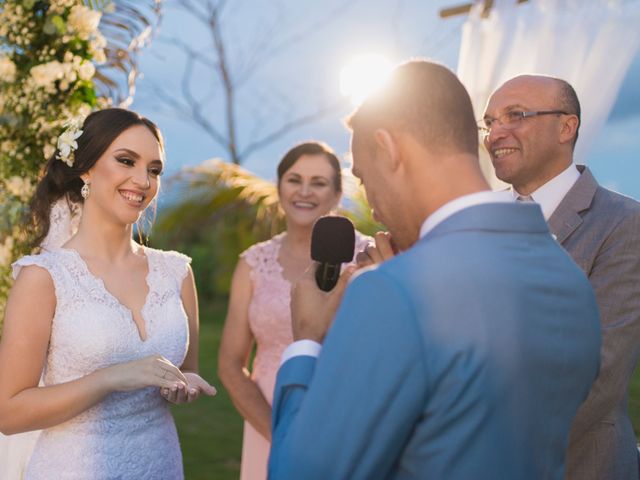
366,251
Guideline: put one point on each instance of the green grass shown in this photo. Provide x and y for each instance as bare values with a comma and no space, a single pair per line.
211,429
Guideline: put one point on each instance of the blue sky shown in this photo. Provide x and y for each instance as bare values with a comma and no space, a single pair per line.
304,75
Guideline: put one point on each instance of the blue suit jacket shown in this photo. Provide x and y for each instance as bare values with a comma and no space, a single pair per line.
466,357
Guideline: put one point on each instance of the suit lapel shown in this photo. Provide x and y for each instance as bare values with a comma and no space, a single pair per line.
566,217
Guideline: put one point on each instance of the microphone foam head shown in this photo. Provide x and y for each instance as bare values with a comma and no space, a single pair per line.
333,240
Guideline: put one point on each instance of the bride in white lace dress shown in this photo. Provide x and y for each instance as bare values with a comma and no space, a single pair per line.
111,325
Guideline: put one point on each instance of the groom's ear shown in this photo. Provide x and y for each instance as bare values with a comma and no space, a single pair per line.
387,149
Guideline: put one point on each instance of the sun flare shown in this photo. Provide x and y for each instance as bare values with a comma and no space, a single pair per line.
363,76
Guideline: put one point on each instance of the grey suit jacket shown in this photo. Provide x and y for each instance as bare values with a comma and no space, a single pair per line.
601,231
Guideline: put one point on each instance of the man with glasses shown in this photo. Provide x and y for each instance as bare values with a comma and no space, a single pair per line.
530,128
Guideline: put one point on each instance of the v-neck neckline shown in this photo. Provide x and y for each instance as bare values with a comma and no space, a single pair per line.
115,300
276,258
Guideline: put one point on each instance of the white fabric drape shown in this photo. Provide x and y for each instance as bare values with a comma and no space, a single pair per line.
15,451
588,43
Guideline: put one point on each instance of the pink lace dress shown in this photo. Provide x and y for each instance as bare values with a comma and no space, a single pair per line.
128,435
270,323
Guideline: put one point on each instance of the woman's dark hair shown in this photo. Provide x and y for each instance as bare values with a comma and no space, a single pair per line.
99,130
311,148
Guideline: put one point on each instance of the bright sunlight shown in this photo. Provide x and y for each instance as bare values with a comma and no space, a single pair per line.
363,76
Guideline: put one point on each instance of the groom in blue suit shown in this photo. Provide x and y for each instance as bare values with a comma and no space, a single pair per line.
467,355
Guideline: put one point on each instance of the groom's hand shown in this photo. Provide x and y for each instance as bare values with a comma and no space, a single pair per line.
382,250
312,310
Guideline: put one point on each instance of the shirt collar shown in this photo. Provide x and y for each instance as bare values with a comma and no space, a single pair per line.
549,195
460,203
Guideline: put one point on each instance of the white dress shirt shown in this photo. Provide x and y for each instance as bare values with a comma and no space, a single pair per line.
312,348
549,195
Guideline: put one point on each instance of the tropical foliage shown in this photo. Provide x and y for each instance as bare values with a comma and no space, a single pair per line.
49,51
220,209
46,74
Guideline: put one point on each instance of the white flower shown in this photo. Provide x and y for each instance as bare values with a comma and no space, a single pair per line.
98,40
7,69
83,111
67,142
46,73
83,20
69,72
99,56
96,47
7,147
19,187
61,5
6,249
48,150
86,71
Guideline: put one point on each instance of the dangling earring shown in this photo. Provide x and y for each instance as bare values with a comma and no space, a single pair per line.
85,191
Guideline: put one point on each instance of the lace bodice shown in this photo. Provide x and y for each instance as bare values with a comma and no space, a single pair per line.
129,435
269,310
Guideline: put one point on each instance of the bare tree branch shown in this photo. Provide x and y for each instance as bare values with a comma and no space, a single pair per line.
192,8
227,82
234,70
186,111
287,127
199,56
265,51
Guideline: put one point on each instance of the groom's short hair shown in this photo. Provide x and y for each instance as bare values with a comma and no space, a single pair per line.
427,100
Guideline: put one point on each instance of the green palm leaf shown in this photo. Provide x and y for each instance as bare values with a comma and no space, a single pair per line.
128,26
221,209
211,190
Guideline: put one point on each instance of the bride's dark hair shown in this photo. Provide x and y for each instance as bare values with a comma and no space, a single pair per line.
99,130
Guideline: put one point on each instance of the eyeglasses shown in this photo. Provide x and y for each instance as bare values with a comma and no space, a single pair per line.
512,120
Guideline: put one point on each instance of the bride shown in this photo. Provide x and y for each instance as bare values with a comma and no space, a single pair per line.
111,325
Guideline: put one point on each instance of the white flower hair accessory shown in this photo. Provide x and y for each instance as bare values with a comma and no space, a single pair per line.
67,141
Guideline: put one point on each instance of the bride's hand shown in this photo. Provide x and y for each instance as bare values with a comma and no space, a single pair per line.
383,249
151,371
196,385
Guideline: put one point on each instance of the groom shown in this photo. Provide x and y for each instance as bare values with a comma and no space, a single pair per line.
465,356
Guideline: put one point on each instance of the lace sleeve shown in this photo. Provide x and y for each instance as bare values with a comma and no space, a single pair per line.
177,264
44,260
252,256
262,257
41,260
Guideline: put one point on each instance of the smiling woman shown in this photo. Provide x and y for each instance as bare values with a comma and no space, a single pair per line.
93,149
115,327
309,186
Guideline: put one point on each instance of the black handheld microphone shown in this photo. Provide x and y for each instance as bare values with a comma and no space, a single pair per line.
332,244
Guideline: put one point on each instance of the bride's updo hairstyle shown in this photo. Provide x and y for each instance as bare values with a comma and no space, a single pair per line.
99,130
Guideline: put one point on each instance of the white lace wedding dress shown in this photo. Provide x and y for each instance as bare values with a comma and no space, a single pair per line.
129,435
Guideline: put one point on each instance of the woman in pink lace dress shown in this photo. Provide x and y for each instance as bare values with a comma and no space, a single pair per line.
309,186
111,325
